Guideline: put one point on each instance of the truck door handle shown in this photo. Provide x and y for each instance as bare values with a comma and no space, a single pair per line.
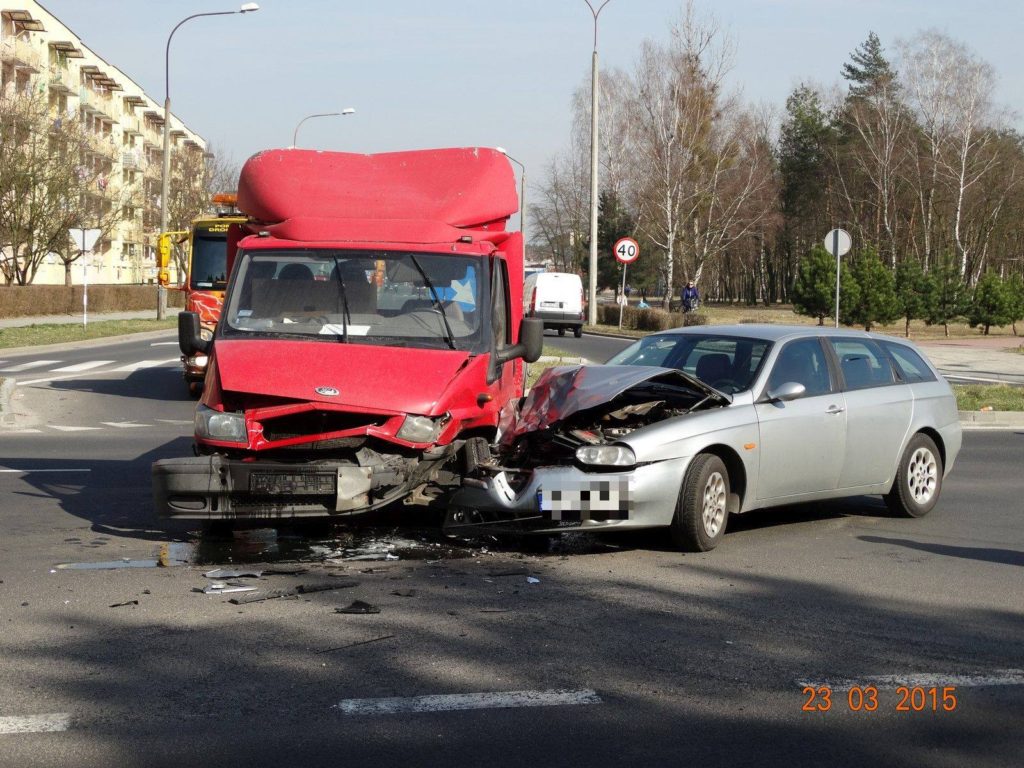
835,409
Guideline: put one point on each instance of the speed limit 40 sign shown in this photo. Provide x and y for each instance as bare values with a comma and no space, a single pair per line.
626,250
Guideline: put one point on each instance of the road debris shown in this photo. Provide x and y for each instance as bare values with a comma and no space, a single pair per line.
510,572
232,573
361,642
127,602
358,606
220,588
301,589
532,580
404,592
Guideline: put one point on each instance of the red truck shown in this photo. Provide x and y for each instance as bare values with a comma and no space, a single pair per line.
372,330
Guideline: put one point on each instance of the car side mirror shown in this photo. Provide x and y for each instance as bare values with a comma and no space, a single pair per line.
531,342
190,339
789,390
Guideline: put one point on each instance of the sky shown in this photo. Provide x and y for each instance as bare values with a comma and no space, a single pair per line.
435,73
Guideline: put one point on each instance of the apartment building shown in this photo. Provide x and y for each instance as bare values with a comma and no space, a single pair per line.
38,52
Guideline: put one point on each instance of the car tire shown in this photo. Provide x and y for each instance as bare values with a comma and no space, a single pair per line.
561,331
918,483
702,510
577,331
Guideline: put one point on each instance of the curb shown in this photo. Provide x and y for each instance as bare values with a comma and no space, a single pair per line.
86,343
992,419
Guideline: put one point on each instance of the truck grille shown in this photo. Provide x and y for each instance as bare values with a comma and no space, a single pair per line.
317,423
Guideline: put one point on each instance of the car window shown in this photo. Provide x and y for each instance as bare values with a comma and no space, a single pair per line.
802,361
863,363
652,350
910,365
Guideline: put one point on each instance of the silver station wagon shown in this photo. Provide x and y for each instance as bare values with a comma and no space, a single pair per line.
685,427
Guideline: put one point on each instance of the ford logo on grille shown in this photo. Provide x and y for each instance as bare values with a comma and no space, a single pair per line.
327,391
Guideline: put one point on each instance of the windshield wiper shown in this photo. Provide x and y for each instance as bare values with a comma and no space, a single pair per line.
450,337
344,302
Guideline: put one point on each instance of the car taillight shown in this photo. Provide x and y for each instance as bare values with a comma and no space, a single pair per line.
583,303
533,301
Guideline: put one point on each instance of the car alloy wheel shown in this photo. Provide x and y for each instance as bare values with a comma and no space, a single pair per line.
713,513
922,475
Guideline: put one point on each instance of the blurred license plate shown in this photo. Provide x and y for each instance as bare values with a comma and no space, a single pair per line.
588,499
557,304
293,483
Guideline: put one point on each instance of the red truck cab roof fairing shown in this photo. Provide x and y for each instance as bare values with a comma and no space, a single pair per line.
437,195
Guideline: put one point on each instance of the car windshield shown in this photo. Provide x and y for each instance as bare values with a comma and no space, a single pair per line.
209,262
727,363
395,298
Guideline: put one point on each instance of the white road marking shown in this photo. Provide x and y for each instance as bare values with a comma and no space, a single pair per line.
122,424
176,421
164,344
922,680
82,366
22,471
23,432
72,429
458,701
145,364
28,366
59,721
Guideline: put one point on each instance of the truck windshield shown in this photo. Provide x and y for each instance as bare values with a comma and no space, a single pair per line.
366,297
209,263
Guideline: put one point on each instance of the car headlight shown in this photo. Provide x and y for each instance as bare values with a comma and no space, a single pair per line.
606,455
215,425
420,429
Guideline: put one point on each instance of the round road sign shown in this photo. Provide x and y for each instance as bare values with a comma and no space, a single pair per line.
626,250
838,242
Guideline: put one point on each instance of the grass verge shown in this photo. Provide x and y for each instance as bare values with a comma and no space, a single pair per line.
36,335
997,397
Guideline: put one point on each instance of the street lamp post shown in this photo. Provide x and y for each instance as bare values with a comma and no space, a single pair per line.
592,293
165,178
295,135
522,200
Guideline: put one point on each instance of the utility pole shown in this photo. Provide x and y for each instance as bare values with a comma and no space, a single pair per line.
592,269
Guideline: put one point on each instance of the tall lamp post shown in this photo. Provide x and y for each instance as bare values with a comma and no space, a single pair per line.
522,199
295,135
592,293
165,178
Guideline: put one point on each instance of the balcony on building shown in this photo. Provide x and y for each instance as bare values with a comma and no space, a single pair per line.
16,45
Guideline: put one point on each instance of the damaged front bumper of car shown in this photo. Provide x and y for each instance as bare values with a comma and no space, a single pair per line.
551,499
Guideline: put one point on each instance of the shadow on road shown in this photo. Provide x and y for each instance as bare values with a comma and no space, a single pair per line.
982,554
157,383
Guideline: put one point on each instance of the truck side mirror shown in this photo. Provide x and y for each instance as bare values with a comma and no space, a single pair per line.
531,341
189,338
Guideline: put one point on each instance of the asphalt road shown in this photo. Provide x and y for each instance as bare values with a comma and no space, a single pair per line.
659,657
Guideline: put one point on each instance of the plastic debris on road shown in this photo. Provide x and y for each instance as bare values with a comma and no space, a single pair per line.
358,606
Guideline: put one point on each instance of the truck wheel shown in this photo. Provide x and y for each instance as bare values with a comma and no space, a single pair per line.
915,491
577,331
701,513
561,331
195,388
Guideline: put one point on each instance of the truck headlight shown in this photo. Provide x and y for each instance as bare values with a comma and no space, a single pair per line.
420,429
215,425
206,334
606,455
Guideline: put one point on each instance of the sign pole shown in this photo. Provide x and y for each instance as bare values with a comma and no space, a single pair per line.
622,294
85,284
835,252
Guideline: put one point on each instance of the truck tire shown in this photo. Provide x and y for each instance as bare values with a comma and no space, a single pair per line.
577,331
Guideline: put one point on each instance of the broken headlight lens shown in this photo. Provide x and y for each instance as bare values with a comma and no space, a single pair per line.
216,425
420,429
606,455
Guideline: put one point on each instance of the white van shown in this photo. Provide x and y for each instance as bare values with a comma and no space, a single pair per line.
557,299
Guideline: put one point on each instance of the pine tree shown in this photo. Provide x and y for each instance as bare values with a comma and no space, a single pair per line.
877,302
814,291
868,71
911,291
1015,286
947,294
614,222
991,304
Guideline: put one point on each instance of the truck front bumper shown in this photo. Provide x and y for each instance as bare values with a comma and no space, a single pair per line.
219,488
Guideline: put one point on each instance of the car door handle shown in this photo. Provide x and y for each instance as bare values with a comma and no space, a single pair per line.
835,409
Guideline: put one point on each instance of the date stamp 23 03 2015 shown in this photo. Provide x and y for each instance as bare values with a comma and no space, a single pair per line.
866,698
